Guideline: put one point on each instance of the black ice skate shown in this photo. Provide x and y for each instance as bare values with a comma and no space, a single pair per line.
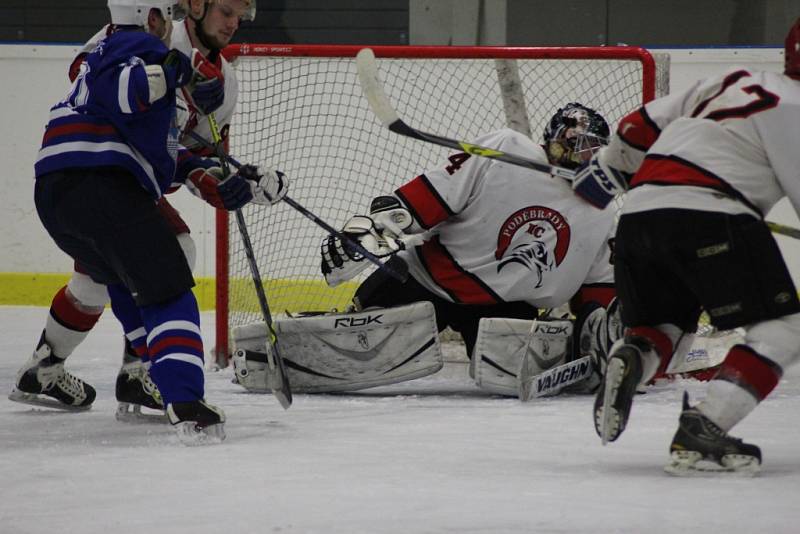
134,390
614,399
197,422
43,376
701,447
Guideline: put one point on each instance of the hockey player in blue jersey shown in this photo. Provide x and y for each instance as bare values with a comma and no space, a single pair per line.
77,306
109,152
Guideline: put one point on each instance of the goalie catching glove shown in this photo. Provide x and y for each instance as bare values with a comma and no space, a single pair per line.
382,234
598,183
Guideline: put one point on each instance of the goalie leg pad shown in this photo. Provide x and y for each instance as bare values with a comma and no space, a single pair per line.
502,344
345,351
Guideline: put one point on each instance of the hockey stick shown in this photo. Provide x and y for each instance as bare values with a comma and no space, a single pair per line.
552,380
400,274
278,380
379,102
781,229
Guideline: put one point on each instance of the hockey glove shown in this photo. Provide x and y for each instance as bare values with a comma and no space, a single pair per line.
598,183
177,69
235,192
391,219
209,89
269,187
204,181
341,261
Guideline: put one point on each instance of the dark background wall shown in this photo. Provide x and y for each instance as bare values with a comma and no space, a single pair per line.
650,22
529,22
277,21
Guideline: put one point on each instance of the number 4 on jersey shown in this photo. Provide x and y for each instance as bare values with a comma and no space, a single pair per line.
456,161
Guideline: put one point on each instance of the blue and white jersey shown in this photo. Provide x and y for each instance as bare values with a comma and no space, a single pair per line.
107,118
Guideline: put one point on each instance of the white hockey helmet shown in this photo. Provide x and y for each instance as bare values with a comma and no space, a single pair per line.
135,12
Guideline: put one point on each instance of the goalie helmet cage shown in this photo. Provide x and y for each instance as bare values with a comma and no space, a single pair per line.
301,110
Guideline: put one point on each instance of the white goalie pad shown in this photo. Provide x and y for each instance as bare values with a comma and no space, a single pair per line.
345,351
501,346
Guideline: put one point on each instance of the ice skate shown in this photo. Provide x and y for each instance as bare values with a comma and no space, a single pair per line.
614,399
134,390
197,422
701,447
42,381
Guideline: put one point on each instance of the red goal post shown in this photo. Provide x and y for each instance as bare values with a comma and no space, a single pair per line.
301,110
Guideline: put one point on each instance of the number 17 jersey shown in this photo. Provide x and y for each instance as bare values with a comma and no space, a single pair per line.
728,144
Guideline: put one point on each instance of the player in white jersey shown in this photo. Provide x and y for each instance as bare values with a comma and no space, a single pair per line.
77,306
704,166
494,240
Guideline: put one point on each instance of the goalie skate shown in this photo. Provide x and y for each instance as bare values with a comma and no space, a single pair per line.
197,422
134,390
42,381
702,448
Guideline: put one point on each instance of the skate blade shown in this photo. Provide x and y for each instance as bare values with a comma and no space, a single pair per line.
132,414
691,464
609,417
191,436
35,399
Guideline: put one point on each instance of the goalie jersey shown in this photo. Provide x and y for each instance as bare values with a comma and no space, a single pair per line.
726,144
502,233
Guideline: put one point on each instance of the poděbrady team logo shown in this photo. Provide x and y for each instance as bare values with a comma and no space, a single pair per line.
535,237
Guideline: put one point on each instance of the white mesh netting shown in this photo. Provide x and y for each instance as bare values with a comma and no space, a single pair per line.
307,117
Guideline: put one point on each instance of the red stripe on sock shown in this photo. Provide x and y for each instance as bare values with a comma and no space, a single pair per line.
755,373
660,341
65,312
175,341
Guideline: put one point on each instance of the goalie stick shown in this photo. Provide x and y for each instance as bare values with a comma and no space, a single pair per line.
552,380
400,274
277,379
382,108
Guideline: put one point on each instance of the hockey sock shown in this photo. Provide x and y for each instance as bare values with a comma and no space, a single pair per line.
655,360
743,381
68,323
130,317
175,347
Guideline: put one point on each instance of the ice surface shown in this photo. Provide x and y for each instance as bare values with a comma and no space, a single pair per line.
429,456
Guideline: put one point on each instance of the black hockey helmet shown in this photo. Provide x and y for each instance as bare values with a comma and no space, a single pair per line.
573,134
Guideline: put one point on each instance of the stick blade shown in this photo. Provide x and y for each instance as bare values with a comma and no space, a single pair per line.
373,88
277,378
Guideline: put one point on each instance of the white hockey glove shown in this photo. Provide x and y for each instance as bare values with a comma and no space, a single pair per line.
391,219
268,186
598,183
341,261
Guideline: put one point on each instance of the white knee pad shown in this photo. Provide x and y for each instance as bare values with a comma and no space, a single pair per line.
776,339
88,292
189,248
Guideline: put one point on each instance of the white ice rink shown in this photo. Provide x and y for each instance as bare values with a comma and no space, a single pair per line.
429,456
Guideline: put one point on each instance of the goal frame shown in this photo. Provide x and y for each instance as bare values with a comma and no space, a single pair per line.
232,52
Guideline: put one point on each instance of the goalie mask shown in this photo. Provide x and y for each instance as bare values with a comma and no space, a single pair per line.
573,134
791,57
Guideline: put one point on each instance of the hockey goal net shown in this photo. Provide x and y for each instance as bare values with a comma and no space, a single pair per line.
301,110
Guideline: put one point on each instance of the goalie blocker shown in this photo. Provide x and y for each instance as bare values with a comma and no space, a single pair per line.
343,351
